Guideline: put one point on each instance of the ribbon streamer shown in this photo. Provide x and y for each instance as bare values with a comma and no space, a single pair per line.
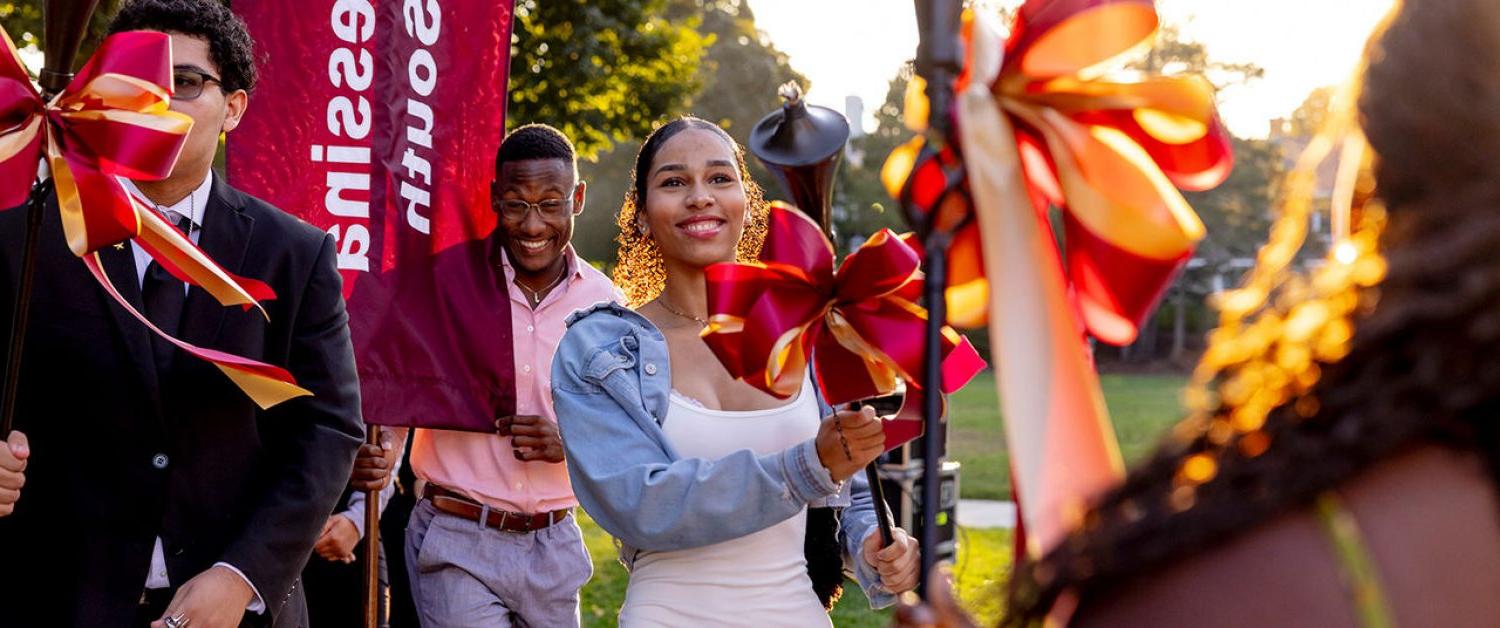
860,327
114,120
1111,154
1040,126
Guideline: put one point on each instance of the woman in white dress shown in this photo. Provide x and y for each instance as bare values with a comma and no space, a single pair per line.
705,480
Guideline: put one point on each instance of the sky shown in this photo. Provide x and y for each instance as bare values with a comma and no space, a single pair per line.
854,47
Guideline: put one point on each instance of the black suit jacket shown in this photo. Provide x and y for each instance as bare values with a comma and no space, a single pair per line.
122,454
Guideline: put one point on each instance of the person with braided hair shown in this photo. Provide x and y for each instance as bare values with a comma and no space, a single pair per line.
1341,459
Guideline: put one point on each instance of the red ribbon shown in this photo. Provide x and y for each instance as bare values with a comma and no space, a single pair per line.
1107,152
859,326
114,120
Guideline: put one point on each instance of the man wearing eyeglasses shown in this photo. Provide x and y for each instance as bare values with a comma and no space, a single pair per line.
493,541
156,492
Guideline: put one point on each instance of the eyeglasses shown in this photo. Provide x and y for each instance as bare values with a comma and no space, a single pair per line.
188,84
516,210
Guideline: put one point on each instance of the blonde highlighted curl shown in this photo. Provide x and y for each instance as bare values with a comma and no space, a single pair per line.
639,269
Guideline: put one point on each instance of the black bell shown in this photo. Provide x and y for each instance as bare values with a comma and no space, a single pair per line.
802,145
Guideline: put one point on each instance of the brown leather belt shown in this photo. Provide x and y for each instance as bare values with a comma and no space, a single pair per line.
452,503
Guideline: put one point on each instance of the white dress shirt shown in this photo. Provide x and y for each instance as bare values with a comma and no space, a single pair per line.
194,207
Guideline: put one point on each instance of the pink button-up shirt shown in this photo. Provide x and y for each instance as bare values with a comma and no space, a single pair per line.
484,466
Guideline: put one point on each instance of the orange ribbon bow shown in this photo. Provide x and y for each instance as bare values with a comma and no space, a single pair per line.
1112,154
1038,126
113,120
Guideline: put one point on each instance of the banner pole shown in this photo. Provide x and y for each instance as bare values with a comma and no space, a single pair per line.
372,544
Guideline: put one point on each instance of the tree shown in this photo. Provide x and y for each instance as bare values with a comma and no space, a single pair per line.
736,85
23,21
603,71
1171,54
862,204
1308,118
1236,213
741,70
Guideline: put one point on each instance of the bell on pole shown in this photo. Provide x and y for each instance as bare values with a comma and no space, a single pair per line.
801,145
65,22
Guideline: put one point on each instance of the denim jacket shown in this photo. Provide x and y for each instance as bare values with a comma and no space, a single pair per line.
610,389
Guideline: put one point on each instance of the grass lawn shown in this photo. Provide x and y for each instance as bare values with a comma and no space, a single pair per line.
1141,406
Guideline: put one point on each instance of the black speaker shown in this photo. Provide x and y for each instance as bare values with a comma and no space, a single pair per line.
903,493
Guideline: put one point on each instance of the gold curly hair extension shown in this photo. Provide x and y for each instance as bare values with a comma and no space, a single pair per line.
1281,326
639,270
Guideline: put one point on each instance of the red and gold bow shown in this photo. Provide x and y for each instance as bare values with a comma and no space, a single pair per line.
113,121
1111,153
860,327
1038,127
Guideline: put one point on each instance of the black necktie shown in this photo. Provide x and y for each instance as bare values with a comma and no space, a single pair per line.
163,295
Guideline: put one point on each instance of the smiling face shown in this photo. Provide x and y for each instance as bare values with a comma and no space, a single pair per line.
695,205
537,240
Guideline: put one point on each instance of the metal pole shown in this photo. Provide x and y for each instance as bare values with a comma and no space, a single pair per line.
372,543
934,265
883,518
882,510
36,203
938,61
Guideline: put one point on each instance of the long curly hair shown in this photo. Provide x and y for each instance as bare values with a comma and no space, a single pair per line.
639,270
1311,379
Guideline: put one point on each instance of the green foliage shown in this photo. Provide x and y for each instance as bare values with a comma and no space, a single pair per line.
1308,118
1237,214
1171,54
741,70
23,22
603,71
737,80
862,205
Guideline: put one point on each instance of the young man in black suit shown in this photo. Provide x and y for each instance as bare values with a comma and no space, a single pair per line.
156,493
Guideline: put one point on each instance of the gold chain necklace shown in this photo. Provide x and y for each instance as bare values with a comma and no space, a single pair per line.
662,301
535,296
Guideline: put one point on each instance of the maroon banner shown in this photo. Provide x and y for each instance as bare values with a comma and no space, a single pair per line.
378,121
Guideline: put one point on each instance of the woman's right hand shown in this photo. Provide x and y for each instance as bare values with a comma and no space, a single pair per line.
862,433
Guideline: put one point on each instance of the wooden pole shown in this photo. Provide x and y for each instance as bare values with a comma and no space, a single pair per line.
372,544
